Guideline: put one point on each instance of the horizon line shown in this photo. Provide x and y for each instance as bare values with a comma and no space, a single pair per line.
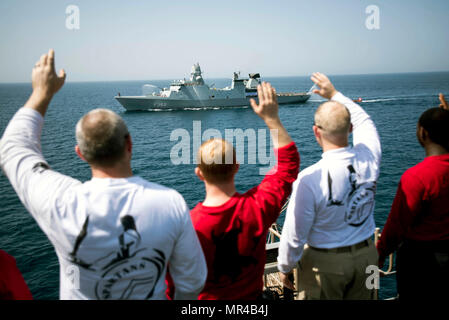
270,76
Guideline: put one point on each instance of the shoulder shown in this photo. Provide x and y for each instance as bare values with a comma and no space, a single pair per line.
166,201
309,179
418,169
288,150
160,191
7,262
196,209
138,181
141,190
416,174
5,258
363,151
196,213
311,175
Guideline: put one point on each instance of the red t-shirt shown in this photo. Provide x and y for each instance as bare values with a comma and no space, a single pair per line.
420,210
233,235
12,284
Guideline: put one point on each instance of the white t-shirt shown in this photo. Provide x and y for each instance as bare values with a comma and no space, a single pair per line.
332,201
113,237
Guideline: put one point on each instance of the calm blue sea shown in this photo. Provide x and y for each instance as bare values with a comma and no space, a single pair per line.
394,101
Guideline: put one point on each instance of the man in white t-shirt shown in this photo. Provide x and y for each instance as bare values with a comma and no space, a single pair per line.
115,234
332,204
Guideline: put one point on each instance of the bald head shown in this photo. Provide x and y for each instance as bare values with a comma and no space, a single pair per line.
334,120
101,136
217,160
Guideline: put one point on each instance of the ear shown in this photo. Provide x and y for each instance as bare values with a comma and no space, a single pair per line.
350,128
199,174
237,167
78,152
129,144
422,134
316,133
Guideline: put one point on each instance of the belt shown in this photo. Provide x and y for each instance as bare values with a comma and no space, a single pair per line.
354,247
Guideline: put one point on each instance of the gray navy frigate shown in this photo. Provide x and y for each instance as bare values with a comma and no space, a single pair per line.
194,93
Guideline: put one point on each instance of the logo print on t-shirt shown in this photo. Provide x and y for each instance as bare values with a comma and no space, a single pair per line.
358,198
40,167
125,270
227,261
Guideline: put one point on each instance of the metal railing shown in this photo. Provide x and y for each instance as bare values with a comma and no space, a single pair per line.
389,271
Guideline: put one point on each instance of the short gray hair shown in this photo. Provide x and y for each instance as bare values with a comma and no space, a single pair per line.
101,135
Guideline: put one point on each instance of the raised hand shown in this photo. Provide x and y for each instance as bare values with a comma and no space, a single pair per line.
44,78
443,104
268,110
45,83
327,89
268,106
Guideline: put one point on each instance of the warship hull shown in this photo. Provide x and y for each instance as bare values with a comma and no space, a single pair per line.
143,103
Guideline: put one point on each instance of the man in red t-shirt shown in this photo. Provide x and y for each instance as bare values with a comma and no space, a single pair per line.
418,224
12,284
233,227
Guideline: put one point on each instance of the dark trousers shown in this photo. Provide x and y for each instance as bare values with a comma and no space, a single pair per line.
423,270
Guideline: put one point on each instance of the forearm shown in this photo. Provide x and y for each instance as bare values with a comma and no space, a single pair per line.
289,255
276,187
21,141
291,247
286,169
38,187
39,101
20,147
279,134
388,241
358,115
404,210
363,128
391,236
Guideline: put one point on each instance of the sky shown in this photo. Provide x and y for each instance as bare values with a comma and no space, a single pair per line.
141,40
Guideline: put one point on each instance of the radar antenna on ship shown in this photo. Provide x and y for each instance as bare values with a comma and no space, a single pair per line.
254,75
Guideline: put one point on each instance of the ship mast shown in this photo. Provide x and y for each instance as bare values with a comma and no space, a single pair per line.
195,74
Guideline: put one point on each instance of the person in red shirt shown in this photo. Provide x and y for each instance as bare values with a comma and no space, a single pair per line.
12,284
233,227
418,223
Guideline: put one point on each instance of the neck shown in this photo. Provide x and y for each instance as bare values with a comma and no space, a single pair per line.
117,171
218,194
327,146
433,149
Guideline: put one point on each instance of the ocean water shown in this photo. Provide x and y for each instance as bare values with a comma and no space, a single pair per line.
394,101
